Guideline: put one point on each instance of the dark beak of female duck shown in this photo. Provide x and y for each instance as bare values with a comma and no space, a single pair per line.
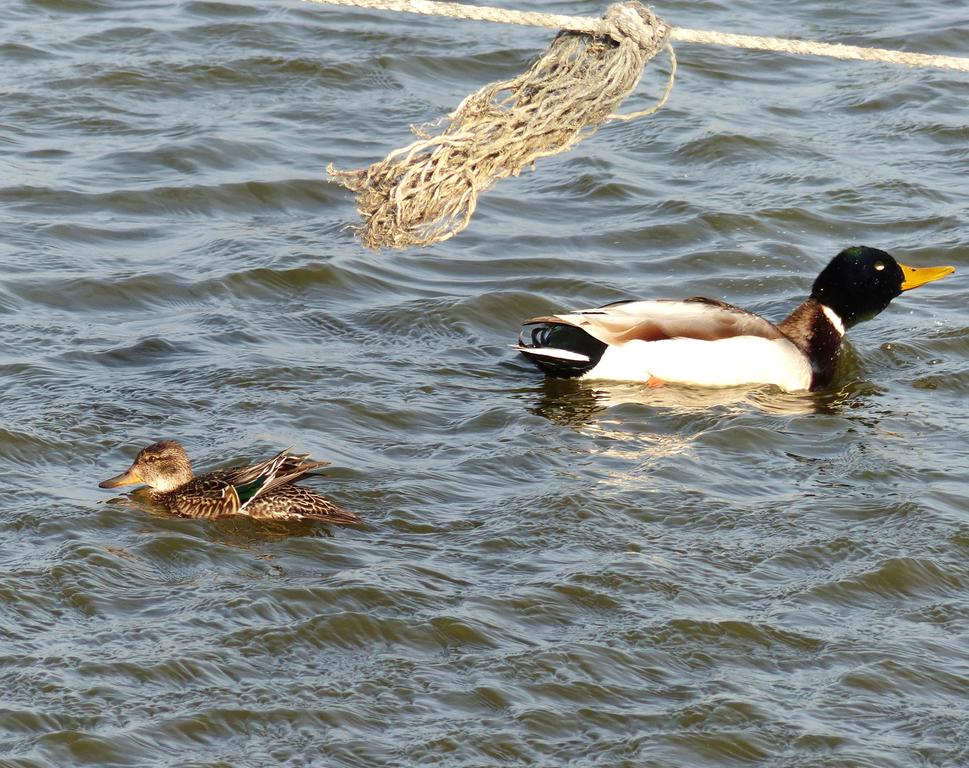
128,477
916,276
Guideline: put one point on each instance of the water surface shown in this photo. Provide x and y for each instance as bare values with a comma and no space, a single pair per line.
551,573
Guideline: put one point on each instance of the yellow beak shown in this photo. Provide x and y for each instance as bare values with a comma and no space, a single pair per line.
916,276
128,477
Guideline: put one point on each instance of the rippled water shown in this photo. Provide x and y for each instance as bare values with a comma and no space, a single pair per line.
551,573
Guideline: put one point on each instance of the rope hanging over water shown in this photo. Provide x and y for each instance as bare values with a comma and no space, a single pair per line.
427,191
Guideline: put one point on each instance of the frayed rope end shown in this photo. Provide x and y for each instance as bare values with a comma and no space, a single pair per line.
426,192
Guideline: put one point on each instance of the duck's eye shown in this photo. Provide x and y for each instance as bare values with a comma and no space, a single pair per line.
879,265
151,458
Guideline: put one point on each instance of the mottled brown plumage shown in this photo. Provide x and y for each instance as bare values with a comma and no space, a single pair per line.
264,491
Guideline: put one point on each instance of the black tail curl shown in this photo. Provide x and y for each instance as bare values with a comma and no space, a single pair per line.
551,336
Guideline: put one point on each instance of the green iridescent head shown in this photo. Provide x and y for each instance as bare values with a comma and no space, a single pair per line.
860,282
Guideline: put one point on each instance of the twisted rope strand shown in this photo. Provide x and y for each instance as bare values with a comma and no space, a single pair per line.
680,34
809,48
477,13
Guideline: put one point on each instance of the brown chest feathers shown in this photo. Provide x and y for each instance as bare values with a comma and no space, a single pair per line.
817,337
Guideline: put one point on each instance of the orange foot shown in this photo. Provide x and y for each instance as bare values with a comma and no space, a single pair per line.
652,381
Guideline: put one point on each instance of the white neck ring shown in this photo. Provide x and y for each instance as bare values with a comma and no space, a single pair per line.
833,318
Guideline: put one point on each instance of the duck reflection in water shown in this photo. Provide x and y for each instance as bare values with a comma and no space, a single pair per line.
579,404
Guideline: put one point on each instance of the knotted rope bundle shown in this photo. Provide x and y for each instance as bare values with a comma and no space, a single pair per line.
427,192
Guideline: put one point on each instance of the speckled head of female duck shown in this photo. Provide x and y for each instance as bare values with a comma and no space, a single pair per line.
163,466
709,343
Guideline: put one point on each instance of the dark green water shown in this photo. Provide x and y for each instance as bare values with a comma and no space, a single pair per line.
551,574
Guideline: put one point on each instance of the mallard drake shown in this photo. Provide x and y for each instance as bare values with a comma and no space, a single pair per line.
703,342
264,491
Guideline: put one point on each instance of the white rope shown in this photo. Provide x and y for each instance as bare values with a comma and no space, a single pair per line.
809,48
704,37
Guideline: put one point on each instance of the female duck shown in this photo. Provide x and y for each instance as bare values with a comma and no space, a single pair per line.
708,343
265,491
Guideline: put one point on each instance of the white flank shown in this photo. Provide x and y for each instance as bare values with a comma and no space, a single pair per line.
558,354
722,363
833,318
